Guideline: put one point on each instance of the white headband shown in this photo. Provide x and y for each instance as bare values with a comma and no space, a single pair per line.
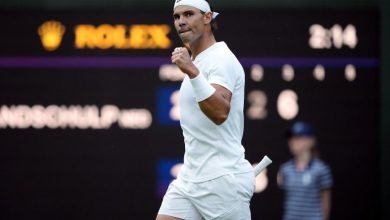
202,5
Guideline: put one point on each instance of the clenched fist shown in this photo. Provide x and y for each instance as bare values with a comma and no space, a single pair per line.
181,57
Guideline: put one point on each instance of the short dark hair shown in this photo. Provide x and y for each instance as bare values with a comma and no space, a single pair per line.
214,23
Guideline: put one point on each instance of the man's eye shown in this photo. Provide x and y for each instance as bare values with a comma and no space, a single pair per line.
176,17
188,14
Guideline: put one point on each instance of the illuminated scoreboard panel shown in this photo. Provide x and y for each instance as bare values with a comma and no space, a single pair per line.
89,113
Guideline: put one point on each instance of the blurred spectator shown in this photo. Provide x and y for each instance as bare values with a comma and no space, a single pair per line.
305,179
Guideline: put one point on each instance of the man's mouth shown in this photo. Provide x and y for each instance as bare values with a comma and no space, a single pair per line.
183,31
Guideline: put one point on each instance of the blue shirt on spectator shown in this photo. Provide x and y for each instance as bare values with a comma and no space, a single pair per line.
302,189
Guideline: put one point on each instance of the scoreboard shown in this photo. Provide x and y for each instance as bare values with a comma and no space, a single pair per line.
89,116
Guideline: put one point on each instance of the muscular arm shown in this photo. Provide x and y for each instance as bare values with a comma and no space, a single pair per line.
217,106
325,203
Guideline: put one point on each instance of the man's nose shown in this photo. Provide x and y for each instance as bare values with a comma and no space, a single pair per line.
182,21
182,24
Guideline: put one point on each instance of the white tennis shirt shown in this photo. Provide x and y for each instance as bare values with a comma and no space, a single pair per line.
214,150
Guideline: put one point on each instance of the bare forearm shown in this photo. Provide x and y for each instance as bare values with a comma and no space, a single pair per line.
326,203
216,108
213,99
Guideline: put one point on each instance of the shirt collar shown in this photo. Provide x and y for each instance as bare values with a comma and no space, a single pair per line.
208,50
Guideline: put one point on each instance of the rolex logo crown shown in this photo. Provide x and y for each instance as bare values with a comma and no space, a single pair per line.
51,33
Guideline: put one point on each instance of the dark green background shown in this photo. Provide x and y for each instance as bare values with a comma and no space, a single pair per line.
168,3
383,6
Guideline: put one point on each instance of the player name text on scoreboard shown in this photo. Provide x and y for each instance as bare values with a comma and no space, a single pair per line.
73,117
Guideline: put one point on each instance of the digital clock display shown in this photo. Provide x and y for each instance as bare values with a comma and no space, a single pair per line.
89,116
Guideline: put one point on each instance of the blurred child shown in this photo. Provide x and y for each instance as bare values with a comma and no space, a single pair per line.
305,179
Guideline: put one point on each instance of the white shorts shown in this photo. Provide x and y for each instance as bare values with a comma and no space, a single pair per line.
224,198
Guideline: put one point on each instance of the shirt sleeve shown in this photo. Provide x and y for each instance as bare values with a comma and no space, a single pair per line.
325,178
223,74
282,173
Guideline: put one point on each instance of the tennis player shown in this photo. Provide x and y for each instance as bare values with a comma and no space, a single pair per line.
216,181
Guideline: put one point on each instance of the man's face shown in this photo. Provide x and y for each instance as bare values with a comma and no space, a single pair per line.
189,23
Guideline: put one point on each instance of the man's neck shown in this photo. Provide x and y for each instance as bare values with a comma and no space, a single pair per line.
202,44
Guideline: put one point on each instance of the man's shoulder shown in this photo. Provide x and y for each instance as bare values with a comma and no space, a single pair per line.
223,52
225,59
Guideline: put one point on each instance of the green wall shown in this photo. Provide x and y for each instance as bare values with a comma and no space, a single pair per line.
385,119
168,3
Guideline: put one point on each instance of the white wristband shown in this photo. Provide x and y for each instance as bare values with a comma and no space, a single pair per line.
202,88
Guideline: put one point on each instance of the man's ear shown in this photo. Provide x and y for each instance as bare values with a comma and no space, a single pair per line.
207,17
